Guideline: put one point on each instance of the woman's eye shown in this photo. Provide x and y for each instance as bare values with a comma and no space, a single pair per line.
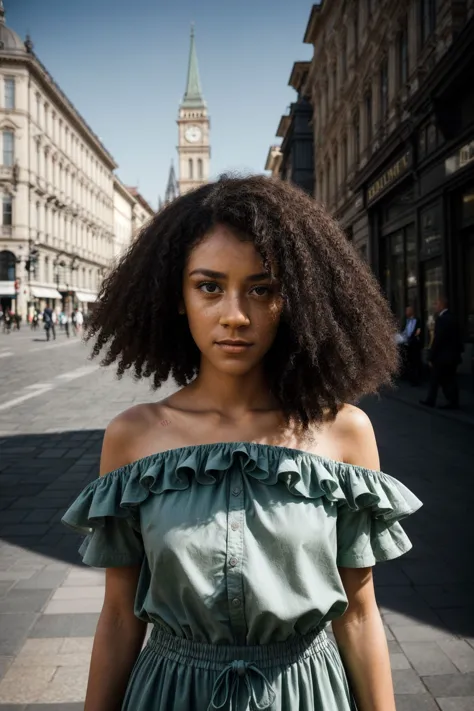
261,290
209,287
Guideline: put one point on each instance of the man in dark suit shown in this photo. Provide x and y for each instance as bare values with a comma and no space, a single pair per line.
444,357
411,346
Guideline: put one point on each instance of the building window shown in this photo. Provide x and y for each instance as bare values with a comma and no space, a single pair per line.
8,148
402,51
38,108
356,28
46,118
368,116
344,160
200,171
46,270
356,137
344,57
384,89
9,93
427,19
7,212
190,168
7,266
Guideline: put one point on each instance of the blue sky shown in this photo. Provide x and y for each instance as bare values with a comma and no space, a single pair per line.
123,64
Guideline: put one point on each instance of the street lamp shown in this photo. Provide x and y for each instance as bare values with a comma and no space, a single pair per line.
73,266
30,264
57,264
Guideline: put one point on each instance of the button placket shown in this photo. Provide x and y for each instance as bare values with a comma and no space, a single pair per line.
235,550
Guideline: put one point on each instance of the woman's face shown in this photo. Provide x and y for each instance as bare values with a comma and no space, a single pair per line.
232,304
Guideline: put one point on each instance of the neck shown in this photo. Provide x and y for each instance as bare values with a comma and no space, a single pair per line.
234,396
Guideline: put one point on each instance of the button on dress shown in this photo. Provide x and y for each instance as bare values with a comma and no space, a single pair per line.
239,546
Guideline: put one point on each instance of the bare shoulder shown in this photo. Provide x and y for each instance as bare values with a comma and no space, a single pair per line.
355,433
126,434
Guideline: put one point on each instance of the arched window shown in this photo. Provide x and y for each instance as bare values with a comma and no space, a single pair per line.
190,167
7,266
200,176
8,147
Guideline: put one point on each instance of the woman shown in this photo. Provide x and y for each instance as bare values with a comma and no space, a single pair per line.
244,512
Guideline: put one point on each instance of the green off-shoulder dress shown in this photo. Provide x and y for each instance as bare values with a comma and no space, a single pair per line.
239,546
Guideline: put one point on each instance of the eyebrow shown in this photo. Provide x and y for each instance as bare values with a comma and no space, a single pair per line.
220,275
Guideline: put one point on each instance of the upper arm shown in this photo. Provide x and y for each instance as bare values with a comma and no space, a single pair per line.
358,585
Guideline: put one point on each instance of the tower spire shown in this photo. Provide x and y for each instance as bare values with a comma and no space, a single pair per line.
193,95
172,187
2,13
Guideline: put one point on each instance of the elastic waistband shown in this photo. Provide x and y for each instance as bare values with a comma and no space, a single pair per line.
213,656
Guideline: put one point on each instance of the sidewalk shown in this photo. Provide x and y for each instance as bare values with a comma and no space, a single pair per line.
411,395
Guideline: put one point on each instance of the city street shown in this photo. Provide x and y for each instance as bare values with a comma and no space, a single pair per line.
54,405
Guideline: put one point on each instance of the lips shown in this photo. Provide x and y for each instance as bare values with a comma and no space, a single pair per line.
236,342
233,346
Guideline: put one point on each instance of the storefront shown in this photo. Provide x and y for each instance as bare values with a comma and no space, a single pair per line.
390,201
42,296
85,300
8,283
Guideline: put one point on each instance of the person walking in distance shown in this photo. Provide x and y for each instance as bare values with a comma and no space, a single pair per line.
444,357
245,511
412,346
48,320
79,321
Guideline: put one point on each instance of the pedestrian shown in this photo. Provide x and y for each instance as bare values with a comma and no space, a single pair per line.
7,321
245,511
49,324
445,355
35,320
412,346
79,320
66,324
73,321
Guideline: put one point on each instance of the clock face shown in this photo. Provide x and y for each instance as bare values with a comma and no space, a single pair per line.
192,134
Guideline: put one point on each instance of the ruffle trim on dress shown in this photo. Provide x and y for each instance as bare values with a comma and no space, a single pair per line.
306,475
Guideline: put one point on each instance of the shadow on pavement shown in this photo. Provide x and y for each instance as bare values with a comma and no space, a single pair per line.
431,586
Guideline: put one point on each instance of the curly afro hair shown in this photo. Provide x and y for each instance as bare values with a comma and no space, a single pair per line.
335,341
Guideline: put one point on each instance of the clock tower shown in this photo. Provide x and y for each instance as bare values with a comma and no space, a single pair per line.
193,126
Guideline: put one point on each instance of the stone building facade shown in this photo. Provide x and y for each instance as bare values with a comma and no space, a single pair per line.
131,213
390,84
293,160
57,185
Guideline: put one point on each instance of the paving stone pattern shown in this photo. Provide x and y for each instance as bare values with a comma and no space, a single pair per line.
50,603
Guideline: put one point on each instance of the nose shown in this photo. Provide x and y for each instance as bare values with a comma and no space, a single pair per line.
233,313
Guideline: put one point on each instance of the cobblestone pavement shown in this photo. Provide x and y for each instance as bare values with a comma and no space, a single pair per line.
54,404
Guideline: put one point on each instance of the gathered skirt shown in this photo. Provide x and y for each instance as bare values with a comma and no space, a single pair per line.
176,674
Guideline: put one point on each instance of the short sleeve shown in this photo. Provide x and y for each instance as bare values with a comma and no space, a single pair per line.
113,545
368,519
112,531
363,540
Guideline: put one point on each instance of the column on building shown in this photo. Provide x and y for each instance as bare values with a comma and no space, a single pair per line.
413,39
